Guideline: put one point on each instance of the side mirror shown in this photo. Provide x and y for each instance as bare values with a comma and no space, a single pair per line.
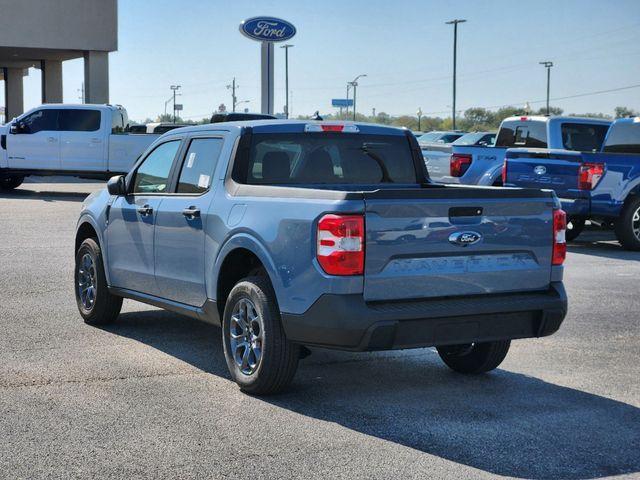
117,186
18,127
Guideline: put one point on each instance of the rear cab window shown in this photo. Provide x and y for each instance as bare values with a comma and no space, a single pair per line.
583,137
522,133
199,165
327,159
624,137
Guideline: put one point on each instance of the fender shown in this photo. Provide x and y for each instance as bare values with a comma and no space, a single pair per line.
248,242
490,176
632,188
85,217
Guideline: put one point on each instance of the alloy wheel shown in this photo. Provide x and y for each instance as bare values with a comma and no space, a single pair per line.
87,281
246,336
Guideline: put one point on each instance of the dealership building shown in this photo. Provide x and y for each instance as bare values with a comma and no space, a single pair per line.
43,33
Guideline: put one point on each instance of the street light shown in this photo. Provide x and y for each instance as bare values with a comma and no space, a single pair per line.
419,113
354,84
455,49
548,66
286,75
175,89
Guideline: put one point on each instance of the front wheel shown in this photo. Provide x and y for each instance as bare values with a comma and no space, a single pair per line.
574,228
627,226
96,305
260,358
474,357
10,183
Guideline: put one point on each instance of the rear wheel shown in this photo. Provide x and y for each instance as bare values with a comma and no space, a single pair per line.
10,183
260,358
474,357
574,228
627,226
96,305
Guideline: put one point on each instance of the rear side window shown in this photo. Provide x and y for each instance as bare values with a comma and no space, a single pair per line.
327,159
199,165
522,134
624,137
583,137
41,120
117,122
152,175
80,120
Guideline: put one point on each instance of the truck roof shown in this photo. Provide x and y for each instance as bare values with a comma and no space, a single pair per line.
558,118
290,126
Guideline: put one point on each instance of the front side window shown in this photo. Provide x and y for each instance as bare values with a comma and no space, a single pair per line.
199,165
583,137
41,120
327,158
152,175
79,120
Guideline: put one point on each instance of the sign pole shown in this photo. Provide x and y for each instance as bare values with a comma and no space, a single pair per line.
267,77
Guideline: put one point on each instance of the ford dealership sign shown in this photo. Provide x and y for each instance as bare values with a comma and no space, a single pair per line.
267,29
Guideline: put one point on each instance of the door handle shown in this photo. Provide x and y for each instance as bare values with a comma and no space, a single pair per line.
96,140
51,139
145,210
191,212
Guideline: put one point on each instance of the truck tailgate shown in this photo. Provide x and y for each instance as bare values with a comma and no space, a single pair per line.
455,241
554,169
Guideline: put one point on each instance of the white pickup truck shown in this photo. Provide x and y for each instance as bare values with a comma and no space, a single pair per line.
89,141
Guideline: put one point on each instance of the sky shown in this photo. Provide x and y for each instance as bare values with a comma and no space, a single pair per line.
403,46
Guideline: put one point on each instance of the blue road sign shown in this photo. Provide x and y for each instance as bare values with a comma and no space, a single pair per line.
341,102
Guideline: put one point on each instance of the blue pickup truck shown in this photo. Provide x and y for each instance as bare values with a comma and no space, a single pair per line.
603,187
291,234
482,165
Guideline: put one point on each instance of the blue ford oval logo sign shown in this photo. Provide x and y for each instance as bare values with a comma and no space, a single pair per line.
462,239
540,170
267,29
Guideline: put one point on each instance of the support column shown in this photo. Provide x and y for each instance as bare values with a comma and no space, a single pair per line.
96,77
51,81
267,78
13,92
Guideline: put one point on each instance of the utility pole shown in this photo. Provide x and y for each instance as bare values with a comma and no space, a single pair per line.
175,89
234,100
81,91
286,75
455,55
354,84
347,108
548,66
419,114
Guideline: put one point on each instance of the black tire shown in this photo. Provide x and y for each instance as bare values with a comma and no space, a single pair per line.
624,226
474,357
575,226
105,307
10,183
278,361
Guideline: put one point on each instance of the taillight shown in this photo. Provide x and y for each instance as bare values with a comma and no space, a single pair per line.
459,164
504,172
341,244
559,240
589,176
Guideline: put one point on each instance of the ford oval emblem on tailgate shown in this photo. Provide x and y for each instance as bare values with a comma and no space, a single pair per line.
462,239
540,170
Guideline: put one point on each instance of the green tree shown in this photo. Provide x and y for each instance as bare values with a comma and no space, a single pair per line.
622,112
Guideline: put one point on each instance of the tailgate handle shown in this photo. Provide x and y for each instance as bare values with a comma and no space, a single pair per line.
465,212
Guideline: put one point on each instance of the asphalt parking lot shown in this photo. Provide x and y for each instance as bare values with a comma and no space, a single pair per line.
150,396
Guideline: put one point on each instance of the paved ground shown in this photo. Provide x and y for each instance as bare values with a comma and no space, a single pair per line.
150,396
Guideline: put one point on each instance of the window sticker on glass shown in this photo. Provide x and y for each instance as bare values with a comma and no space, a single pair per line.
203,181
191,159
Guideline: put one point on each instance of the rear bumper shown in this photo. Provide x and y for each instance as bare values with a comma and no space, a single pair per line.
347,322
576,207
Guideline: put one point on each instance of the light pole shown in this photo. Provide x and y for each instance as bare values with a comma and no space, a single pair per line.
175,89
347,109
548,66
455,55
419,114
286,75
234,100
354,84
